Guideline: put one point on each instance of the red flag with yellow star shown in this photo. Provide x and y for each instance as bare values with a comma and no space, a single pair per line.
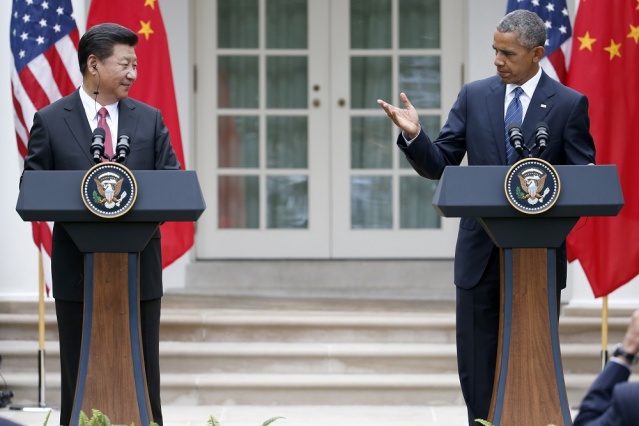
603,66
154,86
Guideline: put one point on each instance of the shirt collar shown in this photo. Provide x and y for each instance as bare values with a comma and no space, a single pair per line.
91,106
528,87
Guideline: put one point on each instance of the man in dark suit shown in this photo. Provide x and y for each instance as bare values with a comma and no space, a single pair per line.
476,128
611,400
60,140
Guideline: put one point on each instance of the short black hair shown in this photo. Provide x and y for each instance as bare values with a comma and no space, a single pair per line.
529,27
100,39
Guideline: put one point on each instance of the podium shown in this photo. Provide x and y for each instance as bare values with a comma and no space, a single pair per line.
111,375
529,387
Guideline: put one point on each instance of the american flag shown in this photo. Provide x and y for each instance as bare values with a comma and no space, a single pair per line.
559,33
44,67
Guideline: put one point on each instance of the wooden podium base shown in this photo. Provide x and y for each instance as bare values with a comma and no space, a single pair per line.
111,376
529,382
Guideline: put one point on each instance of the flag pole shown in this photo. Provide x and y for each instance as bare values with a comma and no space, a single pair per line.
42,406
604,331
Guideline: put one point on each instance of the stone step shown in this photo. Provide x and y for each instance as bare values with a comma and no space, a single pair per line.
295,389
296,358
311,326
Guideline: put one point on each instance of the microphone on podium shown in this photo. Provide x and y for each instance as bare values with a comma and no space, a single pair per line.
123,147
97,144
541,136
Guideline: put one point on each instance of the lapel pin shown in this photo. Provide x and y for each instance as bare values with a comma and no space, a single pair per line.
543,105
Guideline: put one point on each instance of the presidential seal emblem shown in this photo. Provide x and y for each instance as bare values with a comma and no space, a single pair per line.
532,186
109,190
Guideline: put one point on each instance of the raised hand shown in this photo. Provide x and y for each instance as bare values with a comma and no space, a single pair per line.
406,119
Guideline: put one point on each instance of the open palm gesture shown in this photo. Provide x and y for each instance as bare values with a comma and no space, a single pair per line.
406,119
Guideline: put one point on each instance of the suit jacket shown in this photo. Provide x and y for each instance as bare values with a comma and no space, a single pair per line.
60,140
610,401
475,127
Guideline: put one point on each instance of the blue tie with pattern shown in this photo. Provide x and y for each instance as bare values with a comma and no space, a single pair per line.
514,114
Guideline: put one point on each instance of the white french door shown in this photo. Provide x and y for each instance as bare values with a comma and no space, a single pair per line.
294,156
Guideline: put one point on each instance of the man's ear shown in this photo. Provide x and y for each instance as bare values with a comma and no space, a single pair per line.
539,53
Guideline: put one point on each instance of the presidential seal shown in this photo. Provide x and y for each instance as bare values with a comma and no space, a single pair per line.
532,186
109,190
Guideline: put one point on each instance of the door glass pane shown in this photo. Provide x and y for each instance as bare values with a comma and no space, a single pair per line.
371,202
286,24
371,79
238,202
371,24
419,24
238,141
287,142
238,82
287,82
415,203
237,24
420,79
371,146
287,202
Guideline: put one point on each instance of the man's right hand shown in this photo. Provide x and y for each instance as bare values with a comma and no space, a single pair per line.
631,340
406,119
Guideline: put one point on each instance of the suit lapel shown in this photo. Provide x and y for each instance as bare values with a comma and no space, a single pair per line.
539,108
128,120
76,120
495,106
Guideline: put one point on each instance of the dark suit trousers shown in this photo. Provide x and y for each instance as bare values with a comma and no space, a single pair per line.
477,337
69,315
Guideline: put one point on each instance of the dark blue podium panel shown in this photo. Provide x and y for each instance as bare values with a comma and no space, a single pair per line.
163,195
478,191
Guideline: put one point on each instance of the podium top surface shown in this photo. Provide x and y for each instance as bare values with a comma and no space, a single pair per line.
163,195
478,191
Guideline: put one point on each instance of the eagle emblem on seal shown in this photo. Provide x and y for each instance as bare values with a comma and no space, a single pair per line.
109,187
532,182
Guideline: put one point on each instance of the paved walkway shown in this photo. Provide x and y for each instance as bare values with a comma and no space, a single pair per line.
175,415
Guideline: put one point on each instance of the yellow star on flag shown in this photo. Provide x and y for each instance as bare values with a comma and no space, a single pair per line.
634,32
146,29
586,41
613,49
149,3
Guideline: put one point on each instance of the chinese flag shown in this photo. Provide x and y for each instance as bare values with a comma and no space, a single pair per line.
603,66
153,86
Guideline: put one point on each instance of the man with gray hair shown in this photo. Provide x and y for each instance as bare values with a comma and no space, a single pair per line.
522,93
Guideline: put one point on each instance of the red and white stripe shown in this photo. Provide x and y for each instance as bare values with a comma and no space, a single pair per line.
44,80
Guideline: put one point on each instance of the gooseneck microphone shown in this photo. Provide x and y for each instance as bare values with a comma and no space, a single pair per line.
123,147
97,144
541,136
516,137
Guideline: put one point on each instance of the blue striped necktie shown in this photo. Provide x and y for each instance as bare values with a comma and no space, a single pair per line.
514,114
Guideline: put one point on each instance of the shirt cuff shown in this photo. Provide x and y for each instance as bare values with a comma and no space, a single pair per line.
620,362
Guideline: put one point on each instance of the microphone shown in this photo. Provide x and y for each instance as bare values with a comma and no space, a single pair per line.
541,136
123,147
516,137
97,144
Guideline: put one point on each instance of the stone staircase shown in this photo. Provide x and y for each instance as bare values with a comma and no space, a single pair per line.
259,351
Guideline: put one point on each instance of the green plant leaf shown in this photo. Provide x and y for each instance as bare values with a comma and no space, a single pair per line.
271,420
484,422
46,419
213,422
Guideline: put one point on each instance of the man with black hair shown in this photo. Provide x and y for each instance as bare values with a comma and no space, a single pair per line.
476,128
60,139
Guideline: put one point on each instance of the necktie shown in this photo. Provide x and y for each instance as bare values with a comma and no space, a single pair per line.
514,114
102,123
